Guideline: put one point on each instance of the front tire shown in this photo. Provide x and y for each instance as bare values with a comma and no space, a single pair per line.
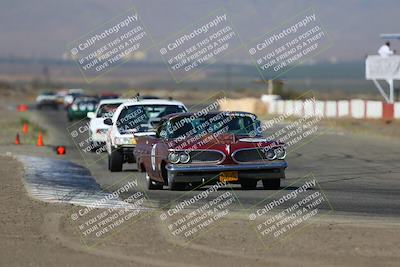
271,184
93,146
151,184
116,161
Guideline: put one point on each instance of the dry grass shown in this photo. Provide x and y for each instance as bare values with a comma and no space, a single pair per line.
371,127
377,127
12,123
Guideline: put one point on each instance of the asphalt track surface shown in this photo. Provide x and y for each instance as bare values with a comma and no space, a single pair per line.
359,174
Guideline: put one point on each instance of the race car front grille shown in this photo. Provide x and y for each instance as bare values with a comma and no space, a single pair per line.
206,156
249,155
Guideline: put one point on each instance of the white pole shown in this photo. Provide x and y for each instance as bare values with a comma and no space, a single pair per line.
381,90
391,93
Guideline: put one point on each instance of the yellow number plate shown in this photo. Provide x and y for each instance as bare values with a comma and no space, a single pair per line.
229,176
133,141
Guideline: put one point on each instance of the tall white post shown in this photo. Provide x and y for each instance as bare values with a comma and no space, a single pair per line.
391,92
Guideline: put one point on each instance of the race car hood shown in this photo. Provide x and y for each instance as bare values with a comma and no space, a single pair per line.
98,123
217,141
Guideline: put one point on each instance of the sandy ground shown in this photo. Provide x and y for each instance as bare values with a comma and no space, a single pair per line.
39,234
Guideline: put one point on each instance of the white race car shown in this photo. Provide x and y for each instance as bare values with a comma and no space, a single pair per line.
134,119
97,128
46,99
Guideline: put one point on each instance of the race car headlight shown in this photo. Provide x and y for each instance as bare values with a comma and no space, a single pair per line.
122,140
270,154
280,152
174,157
90,107
184,158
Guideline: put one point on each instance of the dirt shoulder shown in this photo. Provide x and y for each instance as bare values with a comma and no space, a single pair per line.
25,242
375,128
39,234
371,127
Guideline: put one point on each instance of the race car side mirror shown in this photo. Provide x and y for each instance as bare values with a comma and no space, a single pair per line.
108,121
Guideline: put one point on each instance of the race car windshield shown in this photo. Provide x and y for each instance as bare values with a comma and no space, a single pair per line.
139,117
213,123
48,93
107,110
84,105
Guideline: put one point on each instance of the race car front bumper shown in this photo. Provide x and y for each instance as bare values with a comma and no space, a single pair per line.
182,173
99,138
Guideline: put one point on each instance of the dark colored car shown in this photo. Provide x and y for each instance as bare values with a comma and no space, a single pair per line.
80,107
222,146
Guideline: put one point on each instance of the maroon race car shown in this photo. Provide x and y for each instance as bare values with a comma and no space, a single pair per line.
194,149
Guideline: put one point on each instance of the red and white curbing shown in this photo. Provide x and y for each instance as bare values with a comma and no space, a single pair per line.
355,108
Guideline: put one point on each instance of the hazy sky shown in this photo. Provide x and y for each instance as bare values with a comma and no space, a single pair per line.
43,28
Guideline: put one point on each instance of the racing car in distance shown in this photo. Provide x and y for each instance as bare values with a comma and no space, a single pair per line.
133,119
80,107
71,95
219,146
46,99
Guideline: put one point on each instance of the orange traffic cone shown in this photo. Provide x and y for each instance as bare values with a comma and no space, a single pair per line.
22,108
40,140
25,128
17,142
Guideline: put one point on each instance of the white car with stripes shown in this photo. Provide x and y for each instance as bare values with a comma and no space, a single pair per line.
133,119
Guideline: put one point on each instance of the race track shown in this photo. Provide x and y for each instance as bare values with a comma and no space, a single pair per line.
359,174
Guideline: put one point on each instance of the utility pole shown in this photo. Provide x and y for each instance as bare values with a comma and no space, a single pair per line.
46,74
269,84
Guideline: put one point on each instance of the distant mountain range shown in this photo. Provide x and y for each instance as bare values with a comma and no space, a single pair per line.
322,77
